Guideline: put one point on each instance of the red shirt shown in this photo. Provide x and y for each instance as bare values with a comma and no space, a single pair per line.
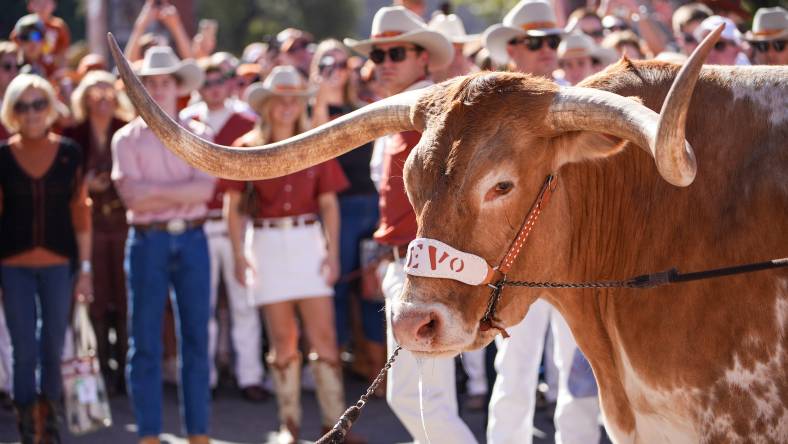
236,126
297,193
397,218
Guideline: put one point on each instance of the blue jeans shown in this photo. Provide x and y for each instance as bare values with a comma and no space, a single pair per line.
37,326
155,260
359,218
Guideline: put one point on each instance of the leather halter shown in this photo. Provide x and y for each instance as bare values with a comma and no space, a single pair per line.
489,320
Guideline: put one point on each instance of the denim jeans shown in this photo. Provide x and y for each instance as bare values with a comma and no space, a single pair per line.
37,326
156,260
359,218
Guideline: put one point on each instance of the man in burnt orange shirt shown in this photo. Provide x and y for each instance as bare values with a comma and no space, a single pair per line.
404,51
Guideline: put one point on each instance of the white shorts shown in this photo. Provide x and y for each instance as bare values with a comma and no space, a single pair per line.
288,262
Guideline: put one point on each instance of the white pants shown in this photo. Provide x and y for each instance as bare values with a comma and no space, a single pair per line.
474,364
245,320
513,395
442,420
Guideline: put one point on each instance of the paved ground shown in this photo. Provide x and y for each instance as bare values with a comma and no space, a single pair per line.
235,421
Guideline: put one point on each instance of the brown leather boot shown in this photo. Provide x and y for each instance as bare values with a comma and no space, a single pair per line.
330,394
287,382
25,422
150,440
199,439
47,423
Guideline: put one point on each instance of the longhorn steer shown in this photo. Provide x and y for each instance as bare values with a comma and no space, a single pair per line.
697,362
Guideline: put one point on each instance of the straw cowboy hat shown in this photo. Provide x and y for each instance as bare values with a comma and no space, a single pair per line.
283,81
578,44
769,24
162,60
528,18
395,24
452,28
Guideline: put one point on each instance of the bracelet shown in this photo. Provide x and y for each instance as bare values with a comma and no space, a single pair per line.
85,267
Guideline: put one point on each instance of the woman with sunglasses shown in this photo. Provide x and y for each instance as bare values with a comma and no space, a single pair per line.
28,33
358,205
100,111
45,237
294,260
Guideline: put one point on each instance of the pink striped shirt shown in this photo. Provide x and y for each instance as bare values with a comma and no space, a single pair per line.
141,165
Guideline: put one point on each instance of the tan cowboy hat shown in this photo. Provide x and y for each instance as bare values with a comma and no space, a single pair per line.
769,24
162,60
452,28
528,18
283,81
394,24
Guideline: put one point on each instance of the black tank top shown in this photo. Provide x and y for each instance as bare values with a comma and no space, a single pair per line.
37,212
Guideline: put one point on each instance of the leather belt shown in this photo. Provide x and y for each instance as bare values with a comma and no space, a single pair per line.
172,226
285,222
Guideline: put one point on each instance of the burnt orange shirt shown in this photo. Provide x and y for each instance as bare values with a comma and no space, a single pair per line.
397,218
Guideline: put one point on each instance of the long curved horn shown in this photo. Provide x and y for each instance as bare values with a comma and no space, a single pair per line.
586,109
392,115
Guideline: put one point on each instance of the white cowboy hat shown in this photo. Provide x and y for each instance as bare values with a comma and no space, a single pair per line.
452,28
162,60
396,24
769,24
528,18
578,44
282,81
730,32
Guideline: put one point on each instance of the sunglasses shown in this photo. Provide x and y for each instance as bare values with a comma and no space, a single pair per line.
689,38
243,82
536,43
396,54
37,105
8,67
778,45
722,45
297,46
615,28
215,82
31,36
597,33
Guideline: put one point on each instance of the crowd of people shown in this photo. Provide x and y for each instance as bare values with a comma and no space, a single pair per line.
95,209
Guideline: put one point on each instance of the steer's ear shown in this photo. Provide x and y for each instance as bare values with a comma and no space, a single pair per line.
578,146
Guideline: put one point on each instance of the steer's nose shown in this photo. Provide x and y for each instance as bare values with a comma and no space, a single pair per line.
416,327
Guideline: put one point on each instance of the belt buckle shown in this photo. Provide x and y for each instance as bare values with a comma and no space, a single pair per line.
288,223
176,226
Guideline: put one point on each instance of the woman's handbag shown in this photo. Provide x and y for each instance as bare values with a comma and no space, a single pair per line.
87,405
373,266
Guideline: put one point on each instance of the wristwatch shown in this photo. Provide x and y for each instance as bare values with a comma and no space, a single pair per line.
85,267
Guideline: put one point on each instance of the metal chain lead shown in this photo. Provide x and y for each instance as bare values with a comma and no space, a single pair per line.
596,284
337,434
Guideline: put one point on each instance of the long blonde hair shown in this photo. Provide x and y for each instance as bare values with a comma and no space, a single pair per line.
124,110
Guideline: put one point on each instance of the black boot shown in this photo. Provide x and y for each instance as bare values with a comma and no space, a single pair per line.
25,421
49,419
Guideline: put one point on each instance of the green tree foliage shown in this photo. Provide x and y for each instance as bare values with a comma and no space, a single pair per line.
244,21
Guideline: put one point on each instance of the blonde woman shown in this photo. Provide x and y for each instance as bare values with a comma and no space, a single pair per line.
44,230
358,204
100,110
295,253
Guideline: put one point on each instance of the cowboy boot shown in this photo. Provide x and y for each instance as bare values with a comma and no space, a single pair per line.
25,422
330,394
199,439
287,382
48,418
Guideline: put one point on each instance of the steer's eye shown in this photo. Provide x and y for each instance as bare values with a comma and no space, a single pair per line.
500,189
503,187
